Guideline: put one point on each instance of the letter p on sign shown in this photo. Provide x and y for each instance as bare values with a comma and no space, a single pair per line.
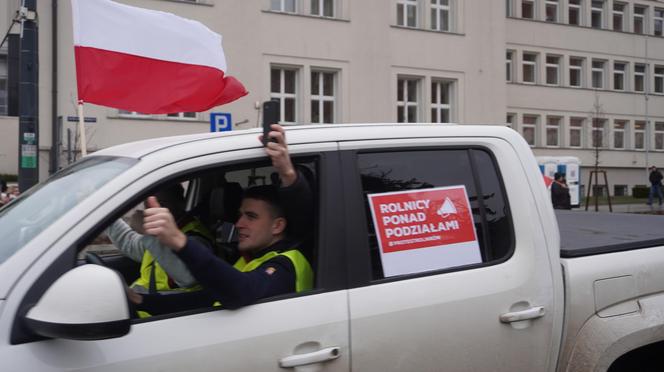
221,122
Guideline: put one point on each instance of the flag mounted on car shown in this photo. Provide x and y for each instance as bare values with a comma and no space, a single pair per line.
148,61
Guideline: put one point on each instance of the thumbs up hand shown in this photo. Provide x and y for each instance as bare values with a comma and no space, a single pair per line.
159,222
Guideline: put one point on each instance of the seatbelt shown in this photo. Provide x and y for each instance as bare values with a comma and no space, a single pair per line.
153,280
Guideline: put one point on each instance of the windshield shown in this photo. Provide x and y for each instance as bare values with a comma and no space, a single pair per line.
42,205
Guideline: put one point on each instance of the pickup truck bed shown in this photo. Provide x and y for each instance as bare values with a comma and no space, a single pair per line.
590,233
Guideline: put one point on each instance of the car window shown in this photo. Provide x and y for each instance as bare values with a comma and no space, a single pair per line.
211,201
42,205
408,179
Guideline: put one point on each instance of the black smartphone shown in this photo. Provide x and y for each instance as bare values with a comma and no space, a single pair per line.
271,116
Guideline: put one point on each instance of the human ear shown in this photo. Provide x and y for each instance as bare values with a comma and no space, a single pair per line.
278,226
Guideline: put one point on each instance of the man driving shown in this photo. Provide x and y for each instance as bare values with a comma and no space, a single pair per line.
271,263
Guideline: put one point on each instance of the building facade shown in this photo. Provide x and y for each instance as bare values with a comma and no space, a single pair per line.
569,75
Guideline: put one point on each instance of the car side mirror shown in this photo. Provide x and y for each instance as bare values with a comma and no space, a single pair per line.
86,303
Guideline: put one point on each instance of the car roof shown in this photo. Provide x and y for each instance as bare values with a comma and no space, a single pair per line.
205,143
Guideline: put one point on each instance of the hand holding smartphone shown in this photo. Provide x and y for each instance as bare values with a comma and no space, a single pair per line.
271,115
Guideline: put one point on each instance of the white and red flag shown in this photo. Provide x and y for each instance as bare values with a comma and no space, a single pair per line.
148,61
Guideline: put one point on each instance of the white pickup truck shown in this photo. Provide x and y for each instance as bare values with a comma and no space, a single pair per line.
526,302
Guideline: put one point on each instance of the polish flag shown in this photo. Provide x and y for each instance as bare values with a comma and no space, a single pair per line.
148,61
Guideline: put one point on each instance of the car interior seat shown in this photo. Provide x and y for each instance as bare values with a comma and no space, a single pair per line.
223,206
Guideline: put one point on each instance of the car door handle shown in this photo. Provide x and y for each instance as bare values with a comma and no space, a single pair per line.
516,316
321,355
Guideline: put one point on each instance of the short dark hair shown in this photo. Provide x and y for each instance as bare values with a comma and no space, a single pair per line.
557,176
268,194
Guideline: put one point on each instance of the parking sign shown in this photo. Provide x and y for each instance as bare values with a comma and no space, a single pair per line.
220,122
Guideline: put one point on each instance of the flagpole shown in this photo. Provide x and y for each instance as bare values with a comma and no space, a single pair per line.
81,129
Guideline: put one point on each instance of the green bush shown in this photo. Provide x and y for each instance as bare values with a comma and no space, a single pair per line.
9,177
640,191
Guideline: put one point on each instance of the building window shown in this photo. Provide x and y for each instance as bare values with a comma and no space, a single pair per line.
597,14
322,8
322,97
619,127
639,135
529,67
441,101
619,190
552,70
183,115
528,128
509,8
283,6
659,79
283,87
133,114
552,131
598,74
440,15
619,73
509,57
3,85
574,12
659,135
575,132
619,16
509,120
407,13
639,19
640,24
551,10
639,77
598,130
576,72
527,9
407,100
658,19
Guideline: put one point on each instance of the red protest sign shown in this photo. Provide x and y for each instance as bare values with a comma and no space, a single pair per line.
410,222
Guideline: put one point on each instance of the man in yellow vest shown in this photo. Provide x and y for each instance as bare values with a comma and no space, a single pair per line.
270,264
160,270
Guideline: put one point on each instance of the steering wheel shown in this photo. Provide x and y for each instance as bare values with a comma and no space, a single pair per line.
93,258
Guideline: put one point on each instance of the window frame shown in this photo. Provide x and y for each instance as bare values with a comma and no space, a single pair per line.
533,8
577,9
640,77
620,74
405,103
642,18
405,5
509,65
601,129
642,131
576,69
439,85
282,6
658,21
550,126
532,126
597,11
618,13
553,67
619,127
321,8
601,71
439,9
282,95
553,5
576,128
658,134
658,77
322,98
530,64
360,272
